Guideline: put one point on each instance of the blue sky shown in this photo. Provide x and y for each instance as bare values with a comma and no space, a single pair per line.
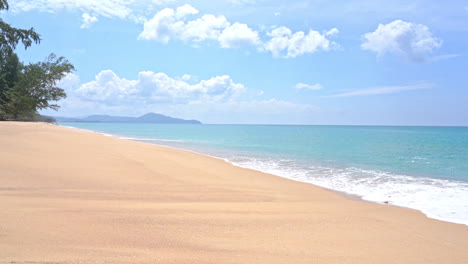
258,61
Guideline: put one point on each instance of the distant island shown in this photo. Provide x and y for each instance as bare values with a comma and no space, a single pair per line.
146,118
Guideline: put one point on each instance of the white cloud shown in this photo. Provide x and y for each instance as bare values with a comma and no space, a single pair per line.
385,90
186,77
216,100
270,107
208,27
171,23
286,44
70,82
159,27
88,20
444,57
185,10
152,87
413,42
304,86
238,36
176,24
106,8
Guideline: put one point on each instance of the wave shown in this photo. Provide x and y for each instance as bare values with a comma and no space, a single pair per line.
445,200
152,139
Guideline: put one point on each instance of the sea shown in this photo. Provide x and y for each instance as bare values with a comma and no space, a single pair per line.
423,168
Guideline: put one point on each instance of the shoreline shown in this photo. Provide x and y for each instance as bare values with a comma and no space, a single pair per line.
91,198
346,195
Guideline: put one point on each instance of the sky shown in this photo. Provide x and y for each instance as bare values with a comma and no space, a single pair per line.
350,62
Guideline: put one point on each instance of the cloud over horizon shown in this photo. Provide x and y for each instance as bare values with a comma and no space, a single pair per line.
216,98
201,57
379,90
151,87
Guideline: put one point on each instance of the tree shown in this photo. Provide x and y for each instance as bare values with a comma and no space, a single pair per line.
25,89
35,88
9,71
10,36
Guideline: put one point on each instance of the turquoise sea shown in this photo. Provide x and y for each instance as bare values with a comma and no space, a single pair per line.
424,168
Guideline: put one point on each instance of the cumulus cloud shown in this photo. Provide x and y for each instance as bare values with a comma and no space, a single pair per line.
238,36
285,43
186,77
186,10
208,27
215,100
70,82
152,87
88,20
304,86
386,89
413,42
171,23
185,23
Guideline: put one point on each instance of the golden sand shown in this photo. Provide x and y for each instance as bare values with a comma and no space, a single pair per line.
70,196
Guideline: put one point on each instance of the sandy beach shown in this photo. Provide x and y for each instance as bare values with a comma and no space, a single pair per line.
71,196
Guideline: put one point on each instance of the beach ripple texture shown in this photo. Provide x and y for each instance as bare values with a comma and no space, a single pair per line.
424,168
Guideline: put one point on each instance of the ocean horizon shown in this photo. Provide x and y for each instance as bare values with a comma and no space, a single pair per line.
419,167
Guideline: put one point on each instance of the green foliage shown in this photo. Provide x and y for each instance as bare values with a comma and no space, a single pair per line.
3,5
9,71
25,89
10,36
39,79
33,88
46,119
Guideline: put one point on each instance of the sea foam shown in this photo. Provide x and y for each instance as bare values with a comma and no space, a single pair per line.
437,198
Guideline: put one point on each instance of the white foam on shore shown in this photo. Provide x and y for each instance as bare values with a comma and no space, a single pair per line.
445,200
89,130
151,139
125,137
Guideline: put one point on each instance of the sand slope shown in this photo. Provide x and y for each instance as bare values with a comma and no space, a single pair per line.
69,196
